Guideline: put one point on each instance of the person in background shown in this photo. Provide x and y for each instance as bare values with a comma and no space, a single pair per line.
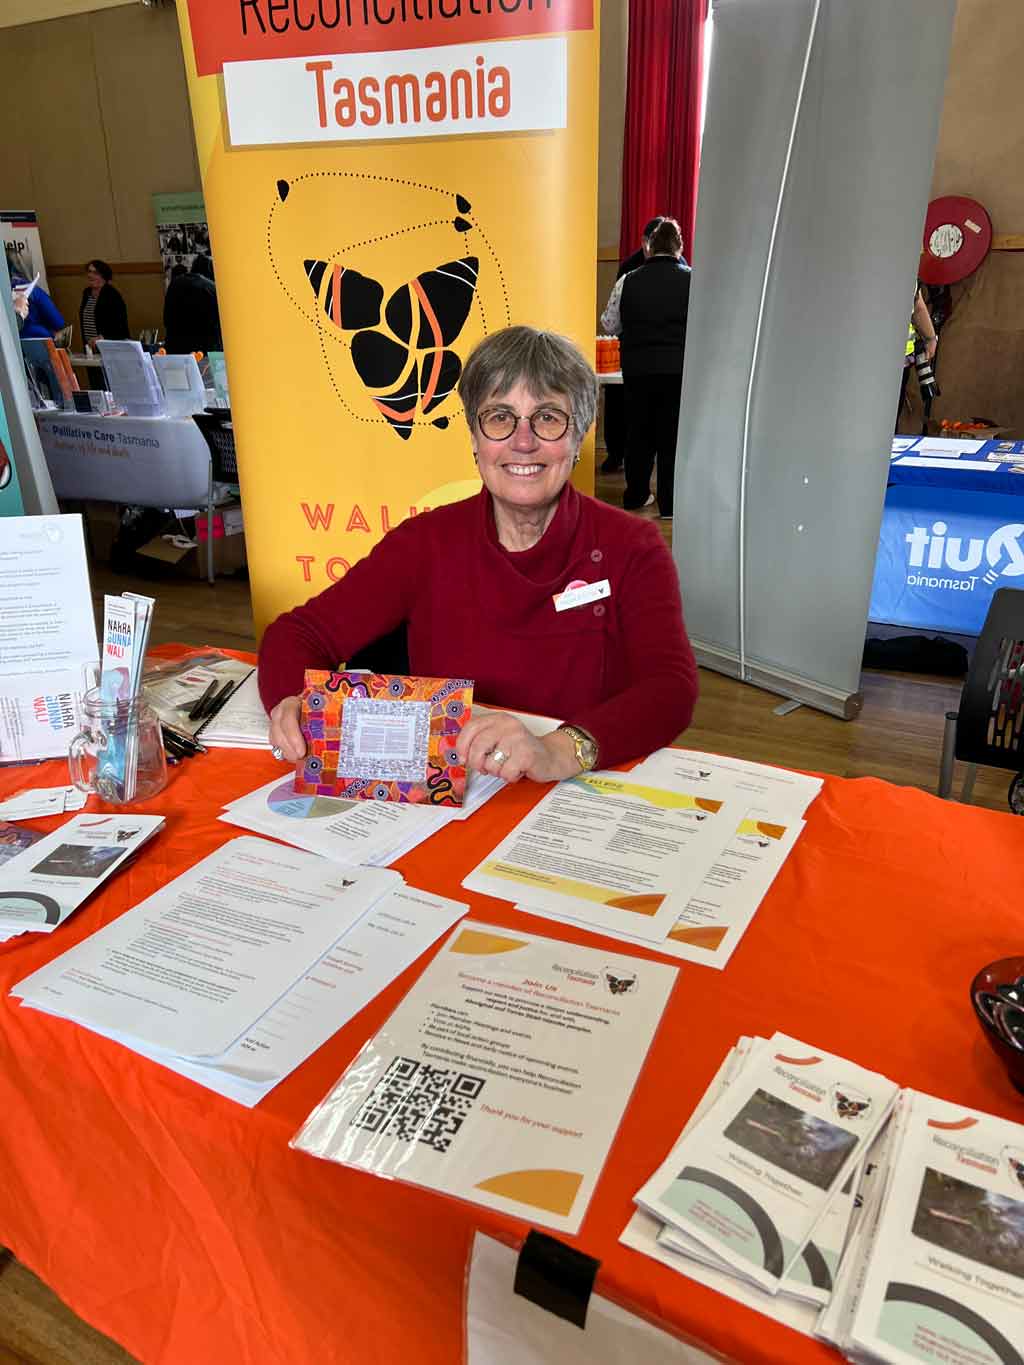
921,332
41,317
653,305
615,395
102,312
474,584
191,315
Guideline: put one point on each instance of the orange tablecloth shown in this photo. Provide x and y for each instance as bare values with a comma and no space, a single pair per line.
184,1226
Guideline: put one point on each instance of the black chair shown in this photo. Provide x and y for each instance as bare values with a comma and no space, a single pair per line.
989,726
219,434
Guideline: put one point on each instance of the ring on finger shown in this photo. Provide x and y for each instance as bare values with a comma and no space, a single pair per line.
277,753
498,756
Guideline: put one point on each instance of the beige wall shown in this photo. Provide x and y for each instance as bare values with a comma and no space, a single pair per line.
96,119
981,154
96,111
13,12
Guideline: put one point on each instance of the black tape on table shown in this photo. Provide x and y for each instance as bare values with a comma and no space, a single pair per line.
556,1277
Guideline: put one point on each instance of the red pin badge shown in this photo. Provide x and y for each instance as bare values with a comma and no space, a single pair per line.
957,238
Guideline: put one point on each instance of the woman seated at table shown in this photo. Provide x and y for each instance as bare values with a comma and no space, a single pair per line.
475,583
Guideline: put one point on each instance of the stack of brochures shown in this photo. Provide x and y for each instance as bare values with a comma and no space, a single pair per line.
131,378
48,879
234,973
888,1223
675,855
127,618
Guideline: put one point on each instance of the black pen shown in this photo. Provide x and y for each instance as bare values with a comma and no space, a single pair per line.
171,759
215,703
188,746
198,708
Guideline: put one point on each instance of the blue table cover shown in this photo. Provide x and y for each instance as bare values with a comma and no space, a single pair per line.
952,533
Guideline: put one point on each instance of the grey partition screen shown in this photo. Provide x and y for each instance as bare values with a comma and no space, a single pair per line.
818,147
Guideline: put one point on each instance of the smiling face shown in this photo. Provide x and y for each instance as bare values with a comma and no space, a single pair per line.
95,279
525,472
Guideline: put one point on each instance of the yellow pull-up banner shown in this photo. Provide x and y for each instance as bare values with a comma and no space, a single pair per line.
386,182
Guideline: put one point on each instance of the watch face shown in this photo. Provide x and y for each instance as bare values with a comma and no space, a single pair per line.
1016,794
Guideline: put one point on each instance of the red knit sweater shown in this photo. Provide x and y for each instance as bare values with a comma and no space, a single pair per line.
621,668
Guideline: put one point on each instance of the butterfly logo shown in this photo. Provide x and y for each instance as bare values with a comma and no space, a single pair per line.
1015,1164
619,985
401,349
849,1103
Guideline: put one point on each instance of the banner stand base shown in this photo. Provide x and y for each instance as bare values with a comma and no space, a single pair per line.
845,705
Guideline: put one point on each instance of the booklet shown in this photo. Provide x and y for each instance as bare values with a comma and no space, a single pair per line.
945,1279
384,737
47,634
502,1076
752,1180
611,853
42,885
196,965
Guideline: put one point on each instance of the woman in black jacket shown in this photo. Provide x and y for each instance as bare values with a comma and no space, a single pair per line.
102,312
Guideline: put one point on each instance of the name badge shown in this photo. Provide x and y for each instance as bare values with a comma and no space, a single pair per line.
577,594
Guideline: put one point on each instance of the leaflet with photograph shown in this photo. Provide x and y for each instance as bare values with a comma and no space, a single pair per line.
783,792
751,1181
196,965
47,634
502,1076
395,930
610,853
14,839
42,885
946,1273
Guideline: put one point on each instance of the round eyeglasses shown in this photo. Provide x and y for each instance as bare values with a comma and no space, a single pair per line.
547,424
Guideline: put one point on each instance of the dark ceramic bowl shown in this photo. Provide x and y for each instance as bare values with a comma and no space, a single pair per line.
997,994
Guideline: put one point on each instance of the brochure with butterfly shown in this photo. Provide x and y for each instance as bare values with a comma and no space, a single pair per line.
945,1270
502,1076
751,1182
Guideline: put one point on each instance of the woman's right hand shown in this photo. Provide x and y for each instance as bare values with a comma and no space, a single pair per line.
284,730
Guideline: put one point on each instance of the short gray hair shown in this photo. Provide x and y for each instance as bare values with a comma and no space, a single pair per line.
544,361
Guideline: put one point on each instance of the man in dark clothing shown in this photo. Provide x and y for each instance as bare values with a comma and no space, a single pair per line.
191,315
653,307
614,394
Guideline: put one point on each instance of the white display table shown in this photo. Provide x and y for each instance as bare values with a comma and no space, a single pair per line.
145,461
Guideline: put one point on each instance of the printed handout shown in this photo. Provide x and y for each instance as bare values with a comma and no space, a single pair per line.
366,958
502,1076
194,966
47,634
611,853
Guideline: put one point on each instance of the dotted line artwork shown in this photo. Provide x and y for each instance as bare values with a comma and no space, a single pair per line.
402,347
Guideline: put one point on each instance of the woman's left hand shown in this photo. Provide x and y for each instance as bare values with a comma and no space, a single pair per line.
500,744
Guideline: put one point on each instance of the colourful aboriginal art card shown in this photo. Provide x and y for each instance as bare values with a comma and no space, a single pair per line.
383,737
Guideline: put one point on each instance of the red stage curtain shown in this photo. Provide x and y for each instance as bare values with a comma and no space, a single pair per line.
661,143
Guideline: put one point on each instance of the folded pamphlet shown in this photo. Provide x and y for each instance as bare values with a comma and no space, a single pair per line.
752,1180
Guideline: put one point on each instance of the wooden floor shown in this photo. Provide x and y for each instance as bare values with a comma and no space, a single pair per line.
897,736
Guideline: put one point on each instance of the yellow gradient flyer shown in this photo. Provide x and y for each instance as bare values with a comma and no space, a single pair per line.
387,182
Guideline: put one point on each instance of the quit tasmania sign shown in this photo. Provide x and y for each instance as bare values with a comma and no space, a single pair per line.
386,182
